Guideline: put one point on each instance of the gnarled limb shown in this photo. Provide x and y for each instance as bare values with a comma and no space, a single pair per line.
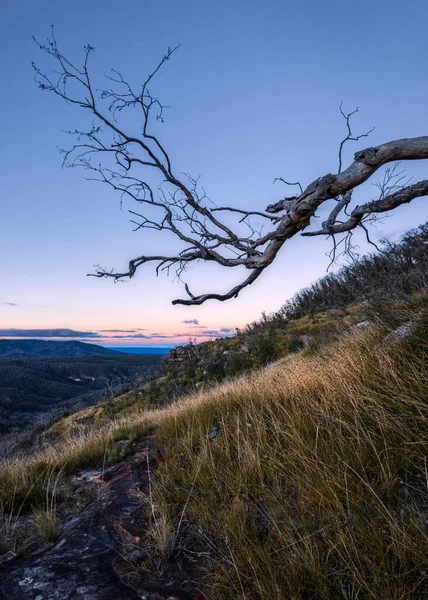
402,196
178,206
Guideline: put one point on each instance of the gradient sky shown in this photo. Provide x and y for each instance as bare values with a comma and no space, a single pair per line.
254,93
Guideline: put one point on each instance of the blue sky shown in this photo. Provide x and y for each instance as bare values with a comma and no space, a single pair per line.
254,93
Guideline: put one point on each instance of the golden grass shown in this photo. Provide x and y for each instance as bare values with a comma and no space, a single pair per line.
314,486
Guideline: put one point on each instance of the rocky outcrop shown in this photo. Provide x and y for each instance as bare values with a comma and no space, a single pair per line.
78,567
99,549
406,329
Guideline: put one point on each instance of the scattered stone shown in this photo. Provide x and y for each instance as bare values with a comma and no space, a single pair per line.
405,330
6,557
360,326
213,434
124,444
89,476
159,456
134,557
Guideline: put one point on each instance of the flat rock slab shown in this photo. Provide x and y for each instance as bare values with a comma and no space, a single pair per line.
79,566
83,563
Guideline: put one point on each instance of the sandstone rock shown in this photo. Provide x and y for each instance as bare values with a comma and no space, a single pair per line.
100,546
405,330
124,444
83,563
213,434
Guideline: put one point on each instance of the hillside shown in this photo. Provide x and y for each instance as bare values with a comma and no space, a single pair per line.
300,481
38,390
286,462
386,289
43,349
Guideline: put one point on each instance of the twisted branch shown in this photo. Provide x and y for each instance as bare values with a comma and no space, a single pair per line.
178,206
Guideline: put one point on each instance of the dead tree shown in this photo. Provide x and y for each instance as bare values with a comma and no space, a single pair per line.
178,205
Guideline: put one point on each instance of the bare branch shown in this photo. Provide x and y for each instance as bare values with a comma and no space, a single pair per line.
177,205
349,136
288,183
387,203
246,213
233,293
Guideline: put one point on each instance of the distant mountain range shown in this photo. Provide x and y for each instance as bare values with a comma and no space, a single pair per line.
46,349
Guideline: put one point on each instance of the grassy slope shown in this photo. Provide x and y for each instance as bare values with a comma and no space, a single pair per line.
387,288
314,486
209,363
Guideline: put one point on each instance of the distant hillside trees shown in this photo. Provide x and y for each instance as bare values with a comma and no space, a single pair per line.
40,389
396,272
